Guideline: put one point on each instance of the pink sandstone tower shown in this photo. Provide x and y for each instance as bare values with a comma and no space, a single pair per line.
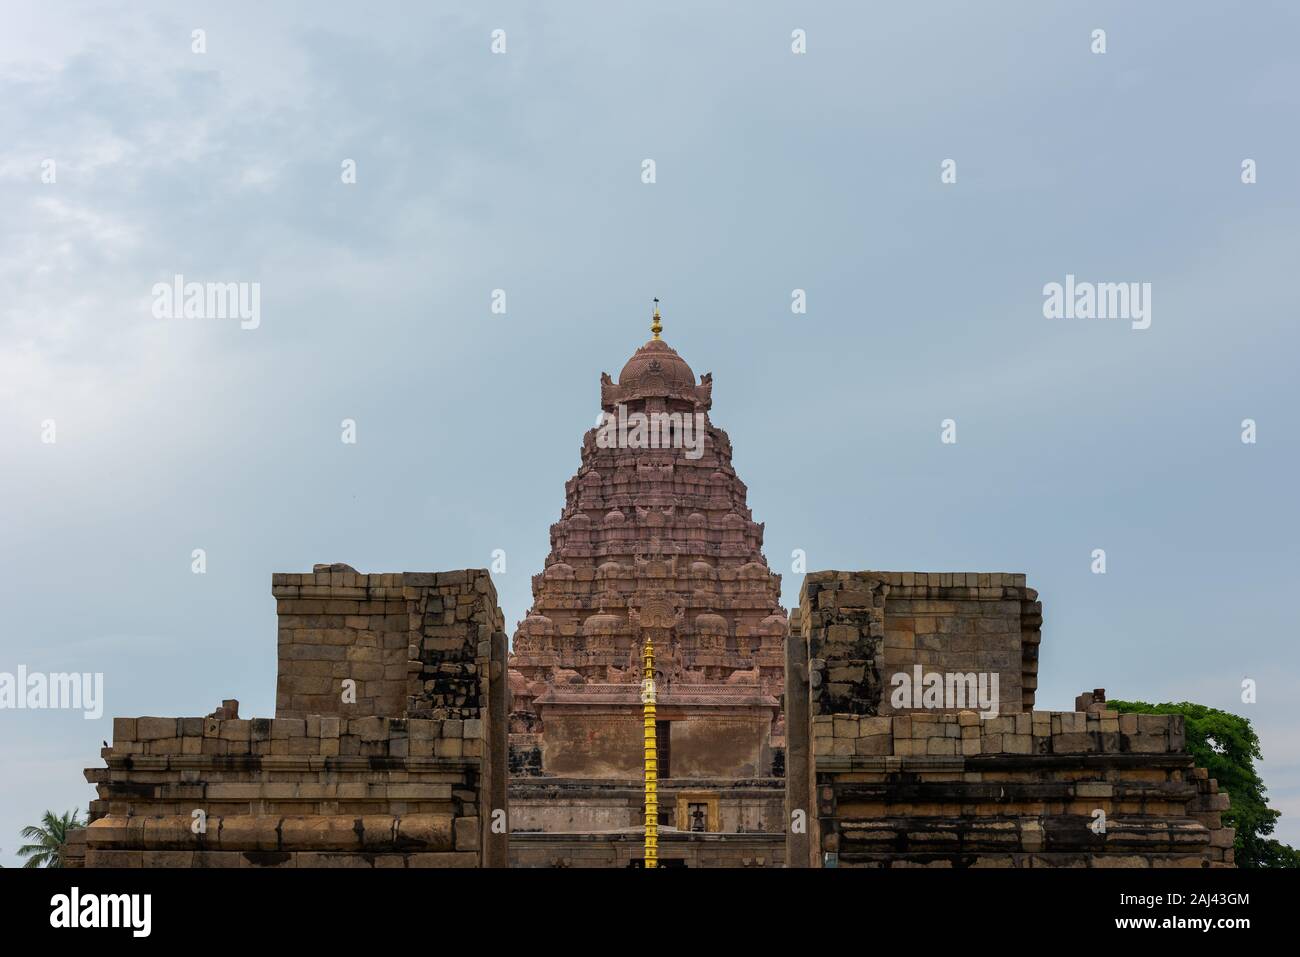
654,525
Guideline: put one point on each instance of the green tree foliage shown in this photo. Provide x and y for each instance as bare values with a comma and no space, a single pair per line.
47,838
1227,746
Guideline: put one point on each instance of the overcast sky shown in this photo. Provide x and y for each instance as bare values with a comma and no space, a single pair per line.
522,171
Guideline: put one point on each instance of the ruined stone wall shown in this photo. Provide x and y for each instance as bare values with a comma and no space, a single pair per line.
968,623
408,642
337,626
1027,790
526,755
948,788
870,626
843,622
409,773
288,792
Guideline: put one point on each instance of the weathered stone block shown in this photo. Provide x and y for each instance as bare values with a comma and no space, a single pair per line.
149,729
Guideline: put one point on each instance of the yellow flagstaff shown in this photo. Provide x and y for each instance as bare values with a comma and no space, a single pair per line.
651,756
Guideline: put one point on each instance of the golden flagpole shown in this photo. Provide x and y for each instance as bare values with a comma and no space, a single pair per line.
651,757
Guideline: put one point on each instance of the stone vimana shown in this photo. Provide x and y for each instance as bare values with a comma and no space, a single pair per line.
409,733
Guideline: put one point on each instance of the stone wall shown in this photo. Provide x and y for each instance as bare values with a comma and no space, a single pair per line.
571,805
1025,790
594,741
288,792
842,618
622,850
410,772
948,788
597,823
964,622
869,626
735,744
409,643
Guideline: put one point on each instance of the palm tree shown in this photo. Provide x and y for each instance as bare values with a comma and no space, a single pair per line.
48,837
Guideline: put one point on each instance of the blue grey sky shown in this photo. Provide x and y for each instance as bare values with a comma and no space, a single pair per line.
522,172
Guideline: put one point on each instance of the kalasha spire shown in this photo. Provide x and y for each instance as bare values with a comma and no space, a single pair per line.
656,377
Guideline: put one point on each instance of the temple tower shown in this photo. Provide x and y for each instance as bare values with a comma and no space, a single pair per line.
655,533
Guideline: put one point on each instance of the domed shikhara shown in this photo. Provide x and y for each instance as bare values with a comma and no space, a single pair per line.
656,372
665,526
656,366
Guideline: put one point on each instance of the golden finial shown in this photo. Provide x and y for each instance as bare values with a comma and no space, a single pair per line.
656,326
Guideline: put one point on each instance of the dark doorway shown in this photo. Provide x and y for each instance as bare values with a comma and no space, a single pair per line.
697,817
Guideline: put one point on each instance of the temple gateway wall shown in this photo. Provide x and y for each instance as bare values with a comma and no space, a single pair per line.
388,748
946,787
955,623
